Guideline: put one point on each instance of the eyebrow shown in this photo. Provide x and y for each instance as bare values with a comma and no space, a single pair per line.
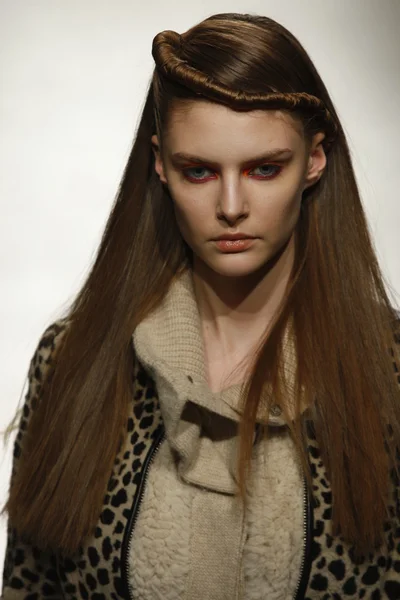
274,153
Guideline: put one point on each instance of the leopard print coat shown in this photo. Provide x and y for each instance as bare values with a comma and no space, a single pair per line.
99,570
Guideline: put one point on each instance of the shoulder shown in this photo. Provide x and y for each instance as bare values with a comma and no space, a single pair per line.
44,354
38,372
51,337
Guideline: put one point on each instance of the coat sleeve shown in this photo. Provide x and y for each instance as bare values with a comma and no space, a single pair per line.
30,573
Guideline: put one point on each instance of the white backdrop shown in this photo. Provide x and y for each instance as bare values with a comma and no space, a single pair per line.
72,81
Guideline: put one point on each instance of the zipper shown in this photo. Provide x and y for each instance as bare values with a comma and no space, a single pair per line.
307,520
126,551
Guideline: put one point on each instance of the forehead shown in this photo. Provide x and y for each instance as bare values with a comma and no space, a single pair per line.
201,125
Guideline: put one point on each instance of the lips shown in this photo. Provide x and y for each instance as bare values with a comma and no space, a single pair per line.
234,237
230,245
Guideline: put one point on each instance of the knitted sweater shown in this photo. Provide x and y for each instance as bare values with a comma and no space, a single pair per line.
192,538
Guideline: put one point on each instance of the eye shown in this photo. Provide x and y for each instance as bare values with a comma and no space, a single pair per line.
196,173
264,171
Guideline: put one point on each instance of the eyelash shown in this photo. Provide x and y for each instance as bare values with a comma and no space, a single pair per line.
247,171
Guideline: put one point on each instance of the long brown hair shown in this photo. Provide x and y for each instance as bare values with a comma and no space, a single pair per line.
343,319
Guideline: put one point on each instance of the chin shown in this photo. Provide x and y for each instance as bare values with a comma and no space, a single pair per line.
235,265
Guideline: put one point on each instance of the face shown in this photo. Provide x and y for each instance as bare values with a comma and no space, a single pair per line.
236,172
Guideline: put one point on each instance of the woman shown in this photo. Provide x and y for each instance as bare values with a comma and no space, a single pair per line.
217,414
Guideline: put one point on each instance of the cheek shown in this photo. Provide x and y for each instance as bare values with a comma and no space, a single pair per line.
189,218
278,217
190,212
286,210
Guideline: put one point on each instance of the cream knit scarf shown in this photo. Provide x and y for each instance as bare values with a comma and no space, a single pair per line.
201,429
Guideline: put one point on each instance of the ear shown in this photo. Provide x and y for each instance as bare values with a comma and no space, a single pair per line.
316,161
159,165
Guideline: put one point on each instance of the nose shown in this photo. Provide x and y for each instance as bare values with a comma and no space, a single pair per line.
232,205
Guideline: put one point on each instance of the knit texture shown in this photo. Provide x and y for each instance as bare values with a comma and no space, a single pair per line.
192,538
